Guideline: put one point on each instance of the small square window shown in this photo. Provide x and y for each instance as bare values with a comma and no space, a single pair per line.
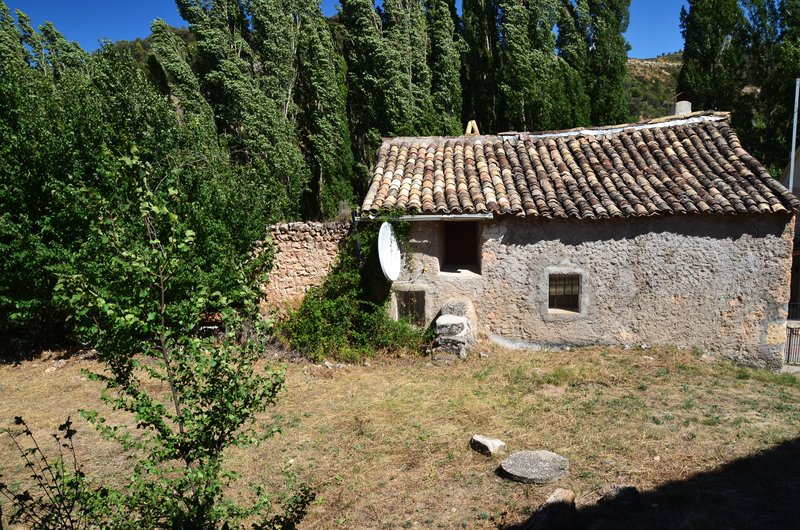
565,292
462,247
411,306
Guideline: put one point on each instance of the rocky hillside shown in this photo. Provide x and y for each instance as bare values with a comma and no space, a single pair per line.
652,85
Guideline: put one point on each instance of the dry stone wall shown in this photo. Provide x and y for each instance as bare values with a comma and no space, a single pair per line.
304,252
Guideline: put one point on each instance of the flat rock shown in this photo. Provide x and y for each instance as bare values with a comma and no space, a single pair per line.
534,467
487,446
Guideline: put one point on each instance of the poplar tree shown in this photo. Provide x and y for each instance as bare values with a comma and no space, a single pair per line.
572,44
321,100
169,65
446,47
608,59
521,82
765,104
247,92
481,63
409,108
540,90
368,60
711,74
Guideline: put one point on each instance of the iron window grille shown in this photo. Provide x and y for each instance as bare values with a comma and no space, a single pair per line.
411,306
565,292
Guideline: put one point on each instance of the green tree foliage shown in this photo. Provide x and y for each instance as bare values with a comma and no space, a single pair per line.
743,56
321,100
69,123
170,67
536,84
522,90
367,57
763,110
712,57
402,70
481,64
572,44
592,41
409,107
251,103
608,56
446,48
527,65
141,308
63,134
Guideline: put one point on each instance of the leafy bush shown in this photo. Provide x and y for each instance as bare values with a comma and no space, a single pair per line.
76,129
141,308
339,320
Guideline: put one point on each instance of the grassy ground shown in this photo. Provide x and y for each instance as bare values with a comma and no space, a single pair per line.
387,444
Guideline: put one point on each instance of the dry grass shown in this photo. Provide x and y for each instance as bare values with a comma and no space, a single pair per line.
387,444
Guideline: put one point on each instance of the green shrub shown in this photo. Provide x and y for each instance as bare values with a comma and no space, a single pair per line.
338,319
141,310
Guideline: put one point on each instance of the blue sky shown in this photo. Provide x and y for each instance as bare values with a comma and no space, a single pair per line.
653,28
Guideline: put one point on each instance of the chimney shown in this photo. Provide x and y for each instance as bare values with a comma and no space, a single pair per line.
679,108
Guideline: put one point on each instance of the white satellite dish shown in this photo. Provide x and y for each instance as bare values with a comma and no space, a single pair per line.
389,252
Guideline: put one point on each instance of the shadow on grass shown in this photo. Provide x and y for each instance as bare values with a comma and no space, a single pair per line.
760,491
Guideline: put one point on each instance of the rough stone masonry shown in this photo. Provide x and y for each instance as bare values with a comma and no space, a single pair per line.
712,282
304,252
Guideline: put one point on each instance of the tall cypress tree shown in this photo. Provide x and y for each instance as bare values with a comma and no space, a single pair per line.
446,47
711,75
276,33
540,90
169,65
409,108
520,77
11,50
573,48
764,107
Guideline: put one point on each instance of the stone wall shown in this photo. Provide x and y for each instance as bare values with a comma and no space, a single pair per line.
303,254
719,283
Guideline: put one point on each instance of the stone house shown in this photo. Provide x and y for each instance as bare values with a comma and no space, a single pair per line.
663,232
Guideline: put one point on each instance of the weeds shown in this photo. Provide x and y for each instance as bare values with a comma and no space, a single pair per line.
338,319
60,495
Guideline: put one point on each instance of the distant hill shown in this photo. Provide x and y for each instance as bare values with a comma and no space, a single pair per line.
652,85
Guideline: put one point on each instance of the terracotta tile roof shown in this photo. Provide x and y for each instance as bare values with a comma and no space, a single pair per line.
688,165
